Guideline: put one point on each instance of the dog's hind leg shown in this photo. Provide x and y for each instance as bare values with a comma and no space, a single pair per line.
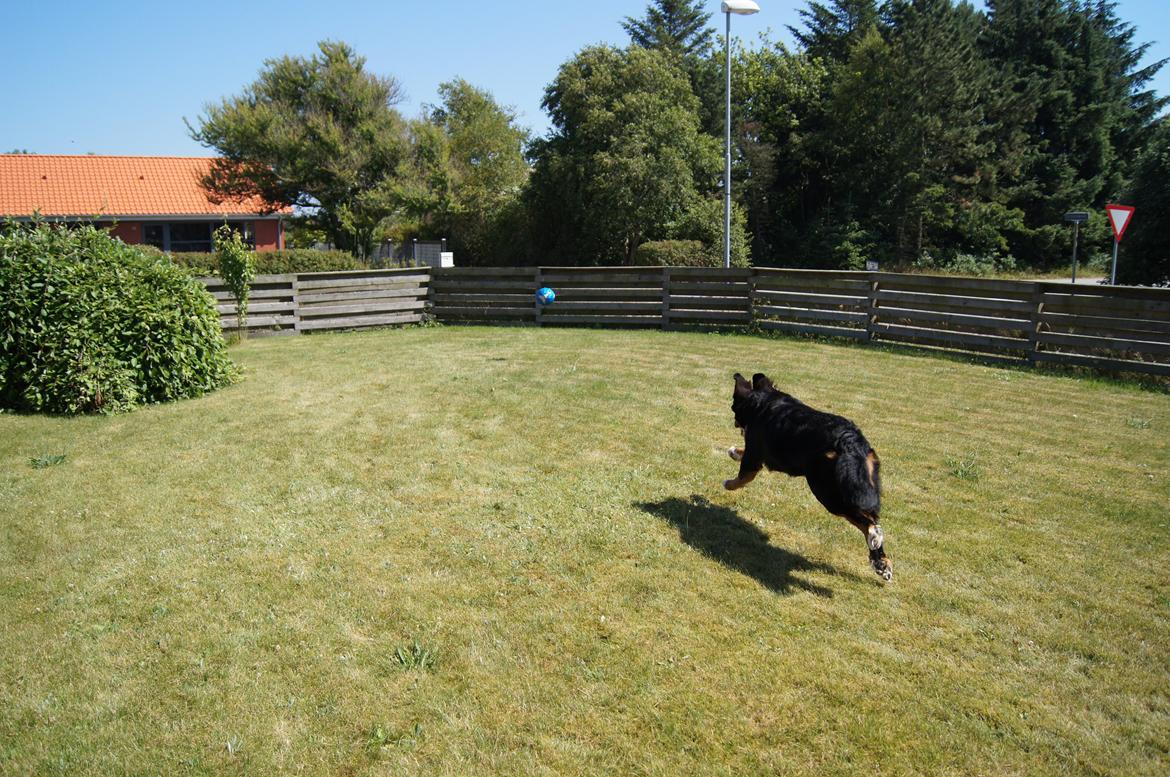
868,525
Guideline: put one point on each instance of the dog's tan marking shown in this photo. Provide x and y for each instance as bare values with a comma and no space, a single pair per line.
870,461
831,455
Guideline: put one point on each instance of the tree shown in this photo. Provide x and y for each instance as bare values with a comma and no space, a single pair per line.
1080,106
317,133
778,127
678,26
625,163
237,267
1146,250
830,31
942,145
486,172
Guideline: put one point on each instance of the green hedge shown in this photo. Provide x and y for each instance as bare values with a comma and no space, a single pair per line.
676,253
90,324
275,262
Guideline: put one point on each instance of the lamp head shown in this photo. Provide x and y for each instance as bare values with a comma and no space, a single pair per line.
741,7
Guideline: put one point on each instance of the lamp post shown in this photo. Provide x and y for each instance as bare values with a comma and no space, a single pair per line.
743,8
1077,217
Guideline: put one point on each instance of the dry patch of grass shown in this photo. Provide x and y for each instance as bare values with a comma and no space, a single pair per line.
504,551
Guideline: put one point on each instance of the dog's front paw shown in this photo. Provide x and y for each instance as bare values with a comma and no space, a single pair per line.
874,537
730,485
735,453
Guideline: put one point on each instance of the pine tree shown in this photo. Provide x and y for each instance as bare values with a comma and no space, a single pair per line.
678,26
1079,106
830,31
1146,250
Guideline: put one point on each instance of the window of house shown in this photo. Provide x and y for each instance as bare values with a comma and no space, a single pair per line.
190,236
153,235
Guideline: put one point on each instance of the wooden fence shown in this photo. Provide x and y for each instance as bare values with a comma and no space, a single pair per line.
304,302
1107,327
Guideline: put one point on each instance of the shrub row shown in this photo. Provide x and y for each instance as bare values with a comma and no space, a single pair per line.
274,262
89,324
676,253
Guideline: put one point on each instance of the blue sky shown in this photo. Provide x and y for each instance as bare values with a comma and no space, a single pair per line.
119,77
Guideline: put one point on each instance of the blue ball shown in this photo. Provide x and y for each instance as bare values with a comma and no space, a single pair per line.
545,295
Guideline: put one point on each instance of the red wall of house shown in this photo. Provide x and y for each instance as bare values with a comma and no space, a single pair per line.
267,235
130,232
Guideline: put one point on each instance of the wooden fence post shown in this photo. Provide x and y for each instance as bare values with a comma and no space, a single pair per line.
751,292
665,298
429,305
871,308
296,303
1034,323
539,279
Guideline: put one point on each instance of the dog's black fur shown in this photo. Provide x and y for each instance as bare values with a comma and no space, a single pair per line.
785,435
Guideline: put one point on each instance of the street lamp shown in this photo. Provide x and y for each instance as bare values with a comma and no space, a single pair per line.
743,8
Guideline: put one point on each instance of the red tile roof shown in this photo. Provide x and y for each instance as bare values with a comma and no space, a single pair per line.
111,186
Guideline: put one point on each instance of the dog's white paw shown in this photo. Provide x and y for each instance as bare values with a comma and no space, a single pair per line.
735,453
874,537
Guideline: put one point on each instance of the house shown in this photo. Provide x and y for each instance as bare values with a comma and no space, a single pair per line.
142,199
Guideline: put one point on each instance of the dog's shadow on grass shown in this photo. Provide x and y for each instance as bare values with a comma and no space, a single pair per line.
721,534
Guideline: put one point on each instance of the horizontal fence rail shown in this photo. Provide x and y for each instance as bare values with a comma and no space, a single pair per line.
1118,329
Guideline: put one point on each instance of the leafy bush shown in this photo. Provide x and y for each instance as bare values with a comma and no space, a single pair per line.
703,221
676,253
90,324
966,264
274,262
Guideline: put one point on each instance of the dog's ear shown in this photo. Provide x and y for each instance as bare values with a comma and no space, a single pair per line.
760,382
742,387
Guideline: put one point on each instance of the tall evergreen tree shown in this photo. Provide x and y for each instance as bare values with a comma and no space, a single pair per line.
1080,104
940,144
830,31
679,26
1146,250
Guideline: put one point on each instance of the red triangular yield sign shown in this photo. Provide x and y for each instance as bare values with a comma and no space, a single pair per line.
1119,217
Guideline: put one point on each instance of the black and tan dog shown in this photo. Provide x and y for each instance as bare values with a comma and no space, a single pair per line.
785,435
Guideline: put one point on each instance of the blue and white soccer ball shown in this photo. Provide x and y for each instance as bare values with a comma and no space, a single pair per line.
545,295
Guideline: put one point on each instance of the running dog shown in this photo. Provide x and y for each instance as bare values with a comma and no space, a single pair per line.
785,435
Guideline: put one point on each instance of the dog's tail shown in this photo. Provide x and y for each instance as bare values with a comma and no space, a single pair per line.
859,472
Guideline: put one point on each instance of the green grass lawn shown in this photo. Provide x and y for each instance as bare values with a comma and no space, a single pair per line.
507,551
